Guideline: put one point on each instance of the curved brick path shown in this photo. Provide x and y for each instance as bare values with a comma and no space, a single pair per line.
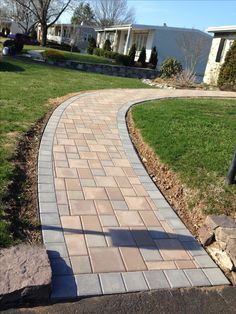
106,226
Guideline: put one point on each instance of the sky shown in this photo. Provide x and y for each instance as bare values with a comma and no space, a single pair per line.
199,14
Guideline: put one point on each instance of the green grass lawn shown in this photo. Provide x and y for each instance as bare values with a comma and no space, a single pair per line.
196,138
25,90
76,56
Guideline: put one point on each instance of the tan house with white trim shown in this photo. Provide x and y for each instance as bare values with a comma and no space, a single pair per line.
166,39
222,40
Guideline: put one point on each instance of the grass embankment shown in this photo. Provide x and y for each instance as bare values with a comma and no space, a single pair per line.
196,139
75,56
26,88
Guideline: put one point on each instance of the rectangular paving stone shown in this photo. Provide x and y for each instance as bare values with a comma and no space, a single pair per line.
151,254
142,237
158,233
112,283
149,218
52,235
63,210
177,278
61,266
94,193
134,281
80,264
204,261
47,197
63,287
56,250
215,276
129,218
197,277
194,248
119,237
185,264
160,265
48,207
114,194
156,279
46,188
132,259
87,182
50,219
106,259
88,284
95,240
108,221
76,244
119,205
175,223
71,224
82,207
171,249
137,203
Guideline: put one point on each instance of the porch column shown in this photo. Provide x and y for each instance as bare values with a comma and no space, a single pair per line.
61,34
127,41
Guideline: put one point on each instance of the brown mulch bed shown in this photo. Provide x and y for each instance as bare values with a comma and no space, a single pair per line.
21,203
176,193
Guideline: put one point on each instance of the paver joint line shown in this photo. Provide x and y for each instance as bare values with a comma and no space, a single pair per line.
106,226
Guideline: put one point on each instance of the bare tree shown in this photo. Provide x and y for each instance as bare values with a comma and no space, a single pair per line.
21,15
46,12
194,48
112,12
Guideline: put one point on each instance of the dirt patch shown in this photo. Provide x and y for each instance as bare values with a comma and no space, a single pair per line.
176,193
21,202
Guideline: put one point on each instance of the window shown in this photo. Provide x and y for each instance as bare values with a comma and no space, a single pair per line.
140,40
220,50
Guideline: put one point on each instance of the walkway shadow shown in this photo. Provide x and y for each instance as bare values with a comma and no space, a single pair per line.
63,281
140,238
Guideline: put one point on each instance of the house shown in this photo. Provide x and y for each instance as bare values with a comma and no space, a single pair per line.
222,40
9,27
180,43
72,35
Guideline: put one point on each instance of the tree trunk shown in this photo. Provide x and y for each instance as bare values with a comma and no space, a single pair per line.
232,170
44,29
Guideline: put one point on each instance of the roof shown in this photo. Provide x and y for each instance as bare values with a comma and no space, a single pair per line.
222,29
149,27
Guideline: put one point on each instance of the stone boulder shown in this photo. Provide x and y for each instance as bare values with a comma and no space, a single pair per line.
25,274
213,221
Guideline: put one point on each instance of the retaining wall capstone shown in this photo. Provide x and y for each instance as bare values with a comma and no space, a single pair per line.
114,70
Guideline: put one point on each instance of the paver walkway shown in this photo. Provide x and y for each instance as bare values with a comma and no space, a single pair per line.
106,226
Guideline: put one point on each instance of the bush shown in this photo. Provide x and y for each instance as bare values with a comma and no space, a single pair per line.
91,45
170,67
110,54
53,55
132,53
107,45
142,57
154,57
98,52
227,75
123,60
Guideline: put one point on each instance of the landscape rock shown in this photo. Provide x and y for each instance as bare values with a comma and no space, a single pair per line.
233,277
231,250
25,274
221,257
205,236
224,234
214,221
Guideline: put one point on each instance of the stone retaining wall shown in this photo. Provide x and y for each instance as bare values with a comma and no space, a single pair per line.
114,70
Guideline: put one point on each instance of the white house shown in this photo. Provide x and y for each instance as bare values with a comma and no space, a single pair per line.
9,27
180,43
75,35
222,40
